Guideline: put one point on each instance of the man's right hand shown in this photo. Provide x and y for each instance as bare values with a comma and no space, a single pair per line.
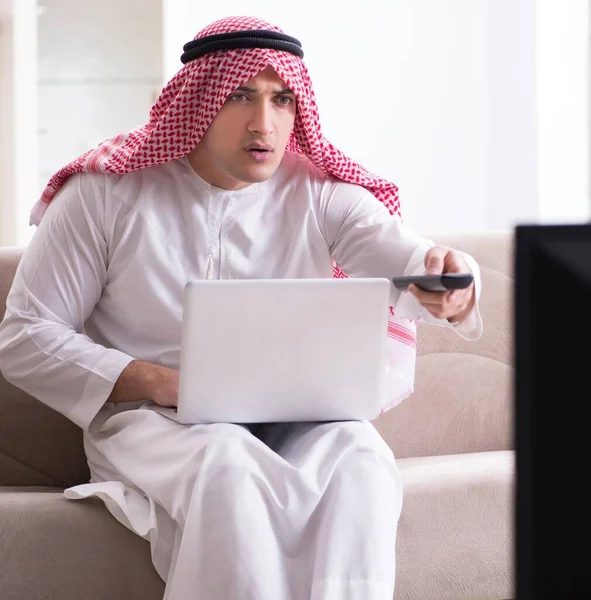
166,388
142,380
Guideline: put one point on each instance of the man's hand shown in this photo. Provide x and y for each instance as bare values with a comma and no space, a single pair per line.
165,390
142,380
454,305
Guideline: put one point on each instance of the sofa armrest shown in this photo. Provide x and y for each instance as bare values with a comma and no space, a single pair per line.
9,259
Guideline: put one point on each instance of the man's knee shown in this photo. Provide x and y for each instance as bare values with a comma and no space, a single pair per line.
368,465
217,461
232,457
362,438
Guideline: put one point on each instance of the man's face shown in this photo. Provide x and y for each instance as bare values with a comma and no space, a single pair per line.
245,142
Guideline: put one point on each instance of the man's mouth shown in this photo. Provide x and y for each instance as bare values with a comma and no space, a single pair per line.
259,148
259,152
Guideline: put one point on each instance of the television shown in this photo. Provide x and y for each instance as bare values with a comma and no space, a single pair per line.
552,394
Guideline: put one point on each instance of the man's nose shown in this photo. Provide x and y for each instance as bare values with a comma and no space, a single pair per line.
261,118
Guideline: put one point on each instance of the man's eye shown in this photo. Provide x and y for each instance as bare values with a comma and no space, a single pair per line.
284,100
238,97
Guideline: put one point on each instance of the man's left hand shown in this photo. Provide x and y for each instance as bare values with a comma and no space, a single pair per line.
454,305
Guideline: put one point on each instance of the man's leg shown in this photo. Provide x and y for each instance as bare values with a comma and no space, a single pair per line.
218,484
313,515
353,528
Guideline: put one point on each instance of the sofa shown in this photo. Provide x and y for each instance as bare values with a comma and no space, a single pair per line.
452,438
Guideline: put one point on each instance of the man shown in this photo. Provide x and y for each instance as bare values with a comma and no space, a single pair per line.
92,328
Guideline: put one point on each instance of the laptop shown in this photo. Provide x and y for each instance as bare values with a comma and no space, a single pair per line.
272,350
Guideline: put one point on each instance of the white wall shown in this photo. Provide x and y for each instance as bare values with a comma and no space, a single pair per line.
7,205
178,27
563,76
18,96
100,70
512,106
25,102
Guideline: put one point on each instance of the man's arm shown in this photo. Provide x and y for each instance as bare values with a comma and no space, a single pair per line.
366,241
43,347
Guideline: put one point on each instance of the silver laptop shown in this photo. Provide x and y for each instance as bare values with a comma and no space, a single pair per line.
256,351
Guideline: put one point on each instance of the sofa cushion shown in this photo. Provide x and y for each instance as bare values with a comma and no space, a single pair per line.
455,532
60,549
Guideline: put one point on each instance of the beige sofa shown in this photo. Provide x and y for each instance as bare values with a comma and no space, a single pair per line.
452,438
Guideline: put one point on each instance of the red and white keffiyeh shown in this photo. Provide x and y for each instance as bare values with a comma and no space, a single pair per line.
184,110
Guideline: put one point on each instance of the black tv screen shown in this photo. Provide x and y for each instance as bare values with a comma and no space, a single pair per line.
552,394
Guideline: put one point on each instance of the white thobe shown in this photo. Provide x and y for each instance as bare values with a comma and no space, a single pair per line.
273,511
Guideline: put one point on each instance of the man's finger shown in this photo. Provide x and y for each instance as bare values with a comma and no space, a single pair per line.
426,297
435,260
455,263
